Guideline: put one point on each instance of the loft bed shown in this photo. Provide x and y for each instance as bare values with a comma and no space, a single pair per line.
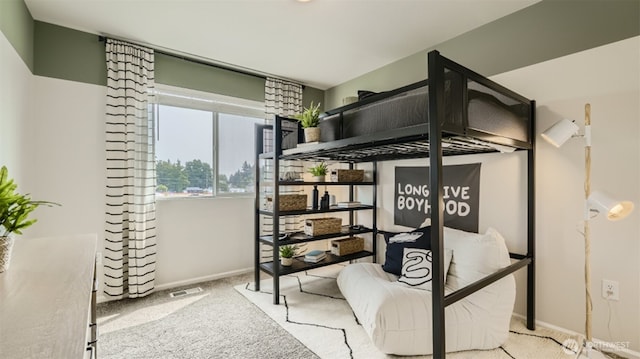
455,112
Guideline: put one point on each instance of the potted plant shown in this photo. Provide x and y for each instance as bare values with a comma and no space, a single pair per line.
309,120
319,172
14,215
287,252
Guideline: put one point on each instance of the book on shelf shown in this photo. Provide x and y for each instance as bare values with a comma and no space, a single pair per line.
348,204
316,260
307,144
315,256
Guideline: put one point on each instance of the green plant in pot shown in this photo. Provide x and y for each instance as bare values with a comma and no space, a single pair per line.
15,209
309,120
319,172
287,252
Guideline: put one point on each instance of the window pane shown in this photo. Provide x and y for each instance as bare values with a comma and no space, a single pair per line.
236,153
184,152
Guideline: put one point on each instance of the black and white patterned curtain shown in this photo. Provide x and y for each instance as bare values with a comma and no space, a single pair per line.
282,98
130,230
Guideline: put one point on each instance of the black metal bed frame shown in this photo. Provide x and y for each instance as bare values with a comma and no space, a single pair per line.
432,140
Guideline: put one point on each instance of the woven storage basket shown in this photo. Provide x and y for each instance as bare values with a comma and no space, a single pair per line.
320,226
342,247
347,175
293,202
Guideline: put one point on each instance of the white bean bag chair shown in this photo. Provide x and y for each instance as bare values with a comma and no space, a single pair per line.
397,317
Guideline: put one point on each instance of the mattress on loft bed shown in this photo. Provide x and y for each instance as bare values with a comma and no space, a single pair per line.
488,112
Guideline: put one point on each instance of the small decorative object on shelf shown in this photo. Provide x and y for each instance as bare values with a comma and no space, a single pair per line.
324,203
347,175
290,176
315,256
320,226
319,172
287,252
348,204
314,198
342,247
309,120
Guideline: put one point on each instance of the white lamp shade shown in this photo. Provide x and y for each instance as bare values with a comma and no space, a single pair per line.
559,133
614,209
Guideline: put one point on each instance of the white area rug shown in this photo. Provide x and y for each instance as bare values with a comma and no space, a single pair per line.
313,310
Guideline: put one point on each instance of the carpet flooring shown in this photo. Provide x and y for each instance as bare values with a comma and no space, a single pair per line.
215,323
228,319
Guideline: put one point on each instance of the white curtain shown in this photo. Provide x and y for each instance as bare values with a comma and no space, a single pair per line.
282,98
130,230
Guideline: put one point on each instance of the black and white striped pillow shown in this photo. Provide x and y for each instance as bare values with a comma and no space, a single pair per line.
416,267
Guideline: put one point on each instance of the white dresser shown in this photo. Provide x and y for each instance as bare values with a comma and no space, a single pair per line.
48,299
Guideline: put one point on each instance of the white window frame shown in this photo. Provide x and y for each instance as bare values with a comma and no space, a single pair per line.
216,103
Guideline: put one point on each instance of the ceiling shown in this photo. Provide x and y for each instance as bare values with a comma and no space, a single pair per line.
321,43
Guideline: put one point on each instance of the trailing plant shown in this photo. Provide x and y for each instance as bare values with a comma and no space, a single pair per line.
319,170
288,251
310,117
15,208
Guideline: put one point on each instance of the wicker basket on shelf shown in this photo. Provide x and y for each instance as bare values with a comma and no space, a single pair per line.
347,175
289,202
320,226
344,246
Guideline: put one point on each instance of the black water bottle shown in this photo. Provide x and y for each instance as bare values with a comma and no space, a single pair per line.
314,198
324,204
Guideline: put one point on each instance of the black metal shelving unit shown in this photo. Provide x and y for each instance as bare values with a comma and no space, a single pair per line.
446,131
273,266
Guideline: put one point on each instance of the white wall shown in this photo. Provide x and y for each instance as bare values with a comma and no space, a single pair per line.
15,105
68,157
198,239
203,238
609,79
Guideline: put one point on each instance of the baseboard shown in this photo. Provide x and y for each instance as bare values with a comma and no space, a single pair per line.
630,353
202,279
102,298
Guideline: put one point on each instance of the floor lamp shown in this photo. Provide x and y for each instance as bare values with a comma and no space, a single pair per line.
596,201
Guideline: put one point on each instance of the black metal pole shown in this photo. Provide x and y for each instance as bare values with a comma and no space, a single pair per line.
436,118
259,129
374,243
277,150
531,224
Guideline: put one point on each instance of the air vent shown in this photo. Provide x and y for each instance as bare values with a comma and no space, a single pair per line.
184,292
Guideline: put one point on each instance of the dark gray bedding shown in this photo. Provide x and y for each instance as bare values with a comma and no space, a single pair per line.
486,113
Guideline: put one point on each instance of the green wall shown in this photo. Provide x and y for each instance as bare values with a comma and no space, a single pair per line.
543,31
74,55
68,54
16,24
183,73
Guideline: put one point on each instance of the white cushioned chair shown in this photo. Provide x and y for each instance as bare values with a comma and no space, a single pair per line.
397,317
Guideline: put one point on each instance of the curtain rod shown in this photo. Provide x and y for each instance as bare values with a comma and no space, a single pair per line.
103,38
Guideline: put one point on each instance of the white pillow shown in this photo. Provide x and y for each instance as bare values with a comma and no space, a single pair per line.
417,267
475,255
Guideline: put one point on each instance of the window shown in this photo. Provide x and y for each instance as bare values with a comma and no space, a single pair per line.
204,143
